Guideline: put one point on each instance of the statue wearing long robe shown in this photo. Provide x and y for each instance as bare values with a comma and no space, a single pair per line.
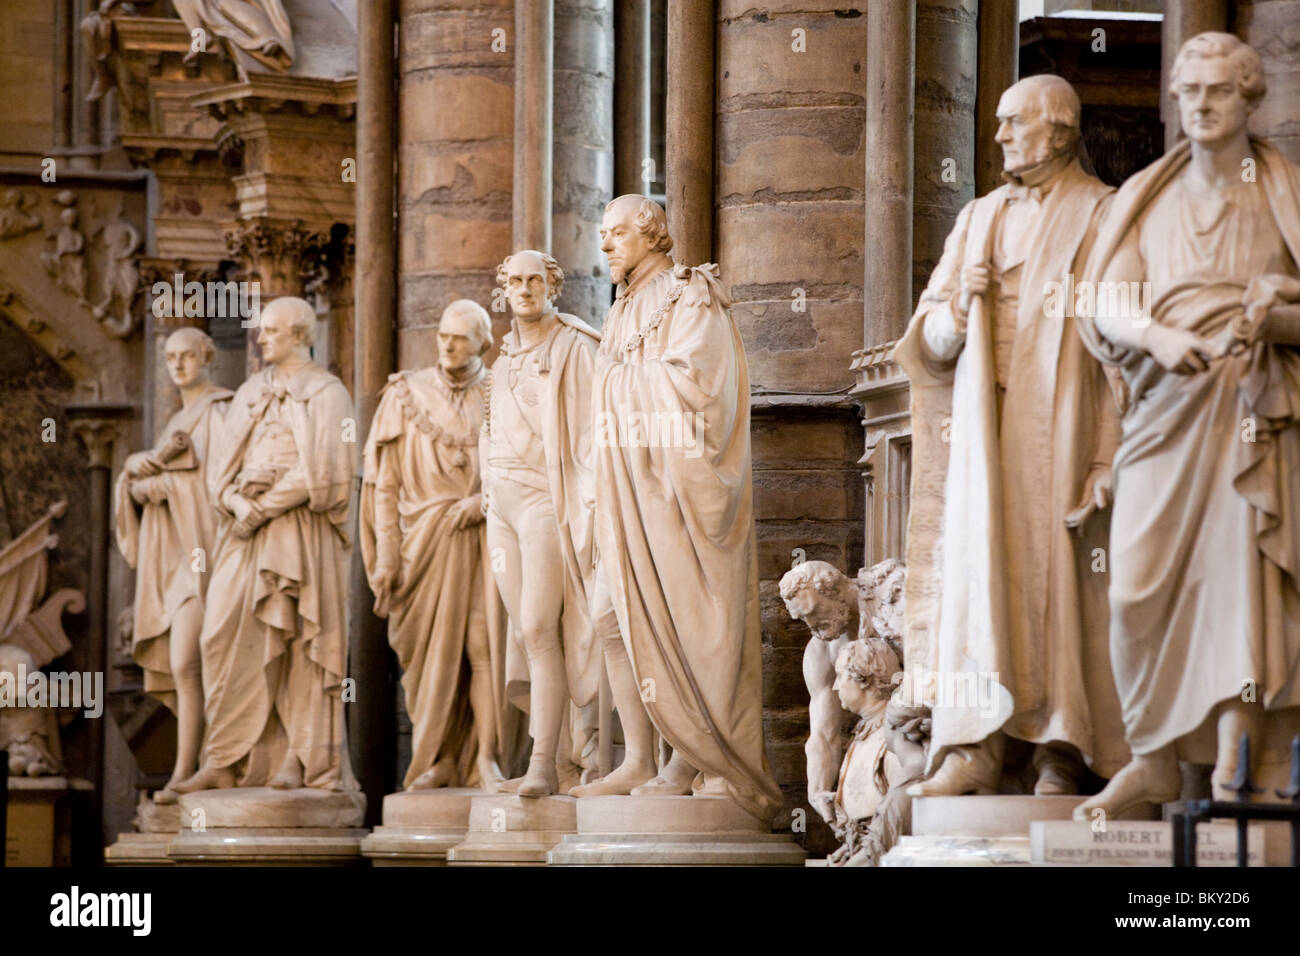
1006,434
675,521
274,640
167,532
421,458
1205,545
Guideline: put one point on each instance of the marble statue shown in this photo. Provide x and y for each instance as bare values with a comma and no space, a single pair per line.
166,530
1205,549
424,544
274,640
537,485
1014,428
674,510
260,27
818,594
32,636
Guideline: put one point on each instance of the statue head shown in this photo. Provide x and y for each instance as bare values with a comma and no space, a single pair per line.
286,329
633,228
864,674
1218,82
881,589
818,594
533,281
464,334
188,353
1038,121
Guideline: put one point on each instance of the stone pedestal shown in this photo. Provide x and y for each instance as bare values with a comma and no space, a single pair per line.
510,830
671,831
982,831
156,827
38,831
265,827
420,826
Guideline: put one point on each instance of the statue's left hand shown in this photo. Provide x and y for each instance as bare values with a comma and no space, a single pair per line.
1097,493
823,802
467,512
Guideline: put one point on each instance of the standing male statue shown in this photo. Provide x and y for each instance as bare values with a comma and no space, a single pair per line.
424,545
166,530
674,510
538,486
1205,551
274,639
1014,427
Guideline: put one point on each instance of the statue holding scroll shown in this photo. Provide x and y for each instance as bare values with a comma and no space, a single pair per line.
1205,551
167,530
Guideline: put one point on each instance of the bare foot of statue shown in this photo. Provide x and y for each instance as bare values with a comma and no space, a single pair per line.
290,775
441,774
622,781
208,778
541,780
674,781
1149,778
490,777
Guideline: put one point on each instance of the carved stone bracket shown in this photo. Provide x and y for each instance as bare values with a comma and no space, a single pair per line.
98,427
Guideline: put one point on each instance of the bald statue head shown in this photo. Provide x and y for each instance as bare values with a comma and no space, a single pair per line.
188,354
634,227
1038,120
286,330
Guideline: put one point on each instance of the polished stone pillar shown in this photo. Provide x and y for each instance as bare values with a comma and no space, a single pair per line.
583,173
371,731
944,147
688,159
534,130
632,64
999,68
890,71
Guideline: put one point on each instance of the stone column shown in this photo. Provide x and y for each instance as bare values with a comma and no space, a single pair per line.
891,66
371,727
85,136
455,162
1183,19
944,149
98,428
789,245
688,154
534,132
583,151
999,67
1273,29
632,64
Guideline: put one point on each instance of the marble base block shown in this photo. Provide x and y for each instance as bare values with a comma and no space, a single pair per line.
509,830
1150,844
156,826
420,826
983,830
265,827
671,831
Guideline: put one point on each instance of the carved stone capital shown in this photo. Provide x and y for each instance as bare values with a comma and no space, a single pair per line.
98,427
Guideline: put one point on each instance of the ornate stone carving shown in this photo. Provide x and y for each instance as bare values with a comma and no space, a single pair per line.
16,215
66,262
260,27
121,277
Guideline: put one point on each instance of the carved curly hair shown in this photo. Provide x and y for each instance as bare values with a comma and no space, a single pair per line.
554,274
1245,61
651,221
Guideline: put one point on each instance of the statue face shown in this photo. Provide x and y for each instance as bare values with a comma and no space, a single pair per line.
827,619
276,337
185,360
458,343
1210,104
1025,135
623,244
526,287
853,696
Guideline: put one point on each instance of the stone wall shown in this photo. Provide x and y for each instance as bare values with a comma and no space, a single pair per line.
1273,28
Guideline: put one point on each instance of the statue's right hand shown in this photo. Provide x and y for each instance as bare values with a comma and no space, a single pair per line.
1178,350
823,801
143,464
974,281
